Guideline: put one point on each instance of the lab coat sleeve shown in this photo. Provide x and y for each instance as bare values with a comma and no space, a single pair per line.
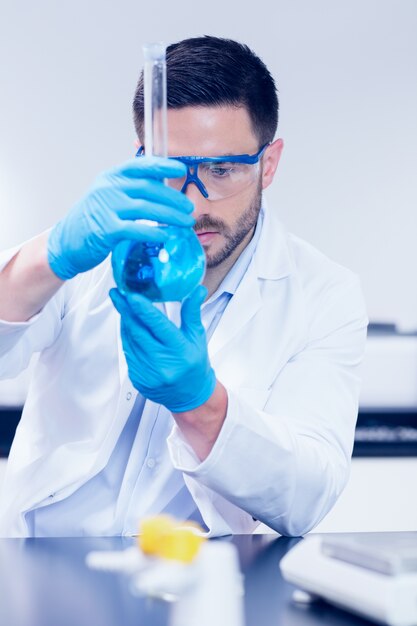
19,340
285,461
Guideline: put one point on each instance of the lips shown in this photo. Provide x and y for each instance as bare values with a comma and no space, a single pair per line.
206,236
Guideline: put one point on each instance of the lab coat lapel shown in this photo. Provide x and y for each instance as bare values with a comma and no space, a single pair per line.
271,262
242,307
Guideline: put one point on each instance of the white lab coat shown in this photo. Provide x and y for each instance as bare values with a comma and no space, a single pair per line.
288,349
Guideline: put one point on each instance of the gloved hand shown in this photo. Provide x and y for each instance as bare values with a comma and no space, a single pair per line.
168,365
107,214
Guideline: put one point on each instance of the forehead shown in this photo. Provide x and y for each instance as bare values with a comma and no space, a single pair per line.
210,131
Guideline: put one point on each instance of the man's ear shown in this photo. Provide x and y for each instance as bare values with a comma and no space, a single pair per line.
137,144
270,160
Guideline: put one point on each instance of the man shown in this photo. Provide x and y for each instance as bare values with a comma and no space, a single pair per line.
231,411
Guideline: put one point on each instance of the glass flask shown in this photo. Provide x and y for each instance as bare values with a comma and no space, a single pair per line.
163,272
166,271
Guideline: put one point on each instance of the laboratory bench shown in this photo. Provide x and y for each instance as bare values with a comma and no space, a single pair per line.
45,582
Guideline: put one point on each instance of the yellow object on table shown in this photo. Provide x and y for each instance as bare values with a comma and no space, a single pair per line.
168,538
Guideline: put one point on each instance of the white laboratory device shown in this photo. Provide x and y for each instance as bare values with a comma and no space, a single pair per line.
362,589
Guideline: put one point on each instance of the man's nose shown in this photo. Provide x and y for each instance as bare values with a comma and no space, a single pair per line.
200,202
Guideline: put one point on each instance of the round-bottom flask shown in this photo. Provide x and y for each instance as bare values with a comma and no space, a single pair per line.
163,272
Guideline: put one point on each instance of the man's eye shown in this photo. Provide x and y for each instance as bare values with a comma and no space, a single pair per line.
220,170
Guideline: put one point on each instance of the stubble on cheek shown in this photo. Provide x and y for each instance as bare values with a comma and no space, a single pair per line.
231,238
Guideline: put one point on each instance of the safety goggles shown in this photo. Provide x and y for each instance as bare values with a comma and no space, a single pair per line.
217,177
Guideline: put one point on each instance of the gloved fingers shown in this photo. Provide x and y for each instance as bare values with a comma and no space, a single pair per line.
118,300
153,190
128,320
191,324
197,296
138,342
145,318
147,368
157,210
151,167
154,320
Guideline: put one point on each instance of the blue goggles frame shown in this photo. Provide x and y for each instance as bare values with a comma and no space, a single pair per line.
192,163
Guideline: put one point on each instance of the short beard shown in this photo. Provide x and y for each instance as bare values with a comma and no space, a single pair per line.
246,222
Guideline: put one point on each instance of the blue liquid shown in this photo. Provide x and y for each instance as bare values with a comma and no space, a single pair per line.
163,272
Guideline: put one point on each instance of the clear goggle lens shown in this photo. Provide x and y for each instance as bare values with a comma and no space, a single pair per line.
214,178
218,180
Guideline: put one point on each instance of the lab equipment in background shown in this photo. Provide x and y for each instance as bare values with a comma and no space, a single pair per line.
387,421
382,589
389,378
166,271
365,550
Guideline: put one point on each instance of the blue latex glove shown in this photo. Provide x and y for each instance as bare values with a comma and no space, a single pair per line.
107,214
168,365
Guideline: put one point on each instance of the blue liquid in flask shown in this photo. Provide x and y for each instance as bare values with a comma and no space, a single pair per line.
163,272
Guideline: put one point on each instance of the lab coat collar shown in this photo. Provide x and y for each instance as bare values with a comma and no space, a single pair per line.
272,257
271,261
240,310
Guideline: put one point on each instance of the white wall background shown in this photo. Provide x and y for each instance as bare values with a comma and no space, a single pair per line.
346,74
